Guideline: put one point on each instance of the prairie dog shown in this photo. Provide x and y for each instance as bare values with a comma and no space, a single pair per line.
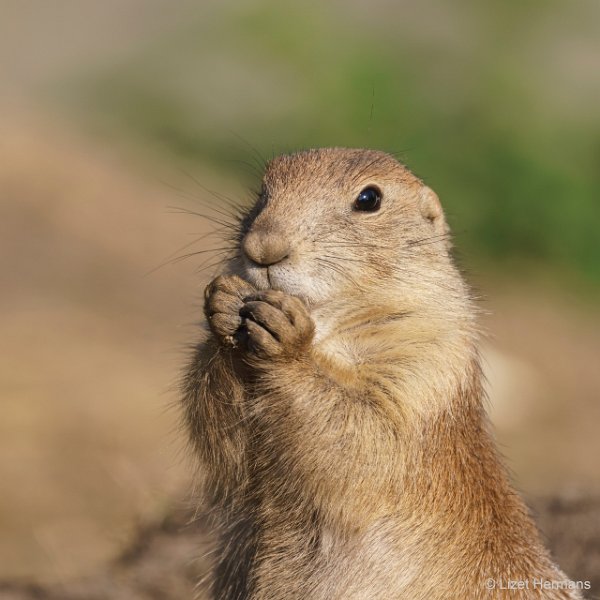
336,403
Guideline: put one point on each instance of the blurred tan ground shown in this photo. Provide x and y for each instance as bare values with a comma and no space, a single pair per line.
544,387
90,345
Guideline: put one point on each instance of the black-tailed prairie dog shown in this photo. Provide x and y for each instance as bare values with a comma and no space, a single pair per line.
336,402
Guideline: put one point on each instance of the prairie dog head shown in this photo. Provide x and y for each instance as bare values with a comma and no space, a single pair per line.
334,224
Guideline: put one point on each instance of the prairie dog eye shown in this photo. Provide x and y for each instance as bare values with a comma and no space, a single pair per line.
369,200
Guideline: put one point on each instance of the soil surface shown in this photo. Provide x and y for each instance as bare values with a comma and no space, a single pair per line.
167,559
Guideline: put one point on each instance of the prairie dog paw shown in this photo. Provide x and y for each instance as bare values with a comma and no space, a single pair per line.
275,324
223,299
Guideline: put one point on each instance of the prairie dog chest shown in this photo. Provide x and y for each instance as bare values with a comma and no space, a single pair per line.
373,564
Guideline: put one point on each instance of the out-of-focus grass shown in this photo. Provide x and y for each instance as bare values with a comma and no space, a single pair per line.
494,105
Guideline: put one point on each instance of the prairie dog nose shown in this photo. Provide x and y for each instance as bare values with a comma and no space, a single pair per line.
265,248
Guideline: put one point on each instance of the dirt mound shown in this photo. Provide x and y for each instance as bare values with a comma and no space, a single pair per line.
572,531
166,559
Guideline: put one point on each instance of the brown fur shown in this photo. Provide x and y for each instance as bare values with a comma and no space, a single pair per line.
337,405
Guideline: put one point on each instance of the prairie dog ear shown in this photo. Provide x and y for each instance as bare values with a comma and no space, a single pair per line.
431,208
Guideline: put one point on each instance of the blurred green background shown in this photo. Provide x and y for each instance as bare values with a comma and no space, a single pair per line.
494,104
